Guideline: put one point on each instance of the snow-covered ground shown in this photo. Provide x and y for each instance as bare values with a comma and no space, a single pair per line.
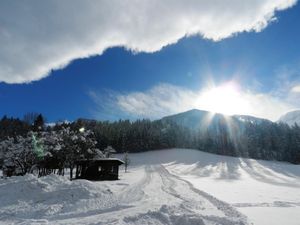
177,186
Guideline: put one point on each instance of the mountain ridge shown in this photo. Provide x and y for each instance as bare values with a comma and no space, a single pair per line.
196,118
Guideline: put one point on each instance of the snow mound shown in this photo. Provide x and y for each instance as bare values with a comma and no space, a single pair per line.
31,197
173,215
163,216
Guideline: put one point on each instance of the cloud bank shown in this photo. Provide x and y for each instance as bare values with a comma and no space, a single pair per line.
39,36
166,99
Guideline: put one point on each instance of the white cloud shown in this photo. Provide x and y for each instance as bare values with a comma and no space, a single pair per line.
39,36
166,99
161,100
296,89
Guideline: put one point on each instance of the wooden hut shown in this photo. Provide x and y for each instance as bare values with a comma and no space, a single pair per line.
98,169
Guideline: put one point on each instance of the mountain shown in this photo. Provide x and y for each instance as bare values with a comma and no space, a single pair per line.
196,119
192,119
291,118
251,119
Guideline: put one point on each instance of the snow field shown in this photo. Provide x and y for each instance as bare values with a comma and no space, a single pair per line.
177,186
267,192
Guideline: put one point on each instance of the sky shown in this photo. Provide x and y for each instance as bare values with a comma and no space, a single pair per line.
119,59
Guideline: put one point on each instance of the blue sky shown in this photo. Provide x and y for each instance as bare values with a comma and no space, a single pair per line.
153,80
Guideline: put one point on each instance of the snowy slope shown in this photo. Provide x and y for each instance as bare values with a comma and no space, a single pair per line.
291,118
251,119
177,186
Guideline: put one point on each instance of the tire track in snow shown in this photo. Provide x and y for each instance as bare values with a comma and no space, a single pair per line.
225,207
180,203
171,184
268,204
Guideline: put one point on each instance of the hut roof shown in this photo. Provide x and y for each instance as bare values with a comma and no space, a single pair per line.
99,160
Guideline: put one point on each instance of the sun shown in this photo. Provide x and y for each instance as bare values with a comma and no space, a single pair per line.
226,99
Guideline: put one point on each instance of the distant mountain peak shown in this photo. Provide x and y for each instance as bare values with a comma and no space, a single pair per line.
196,118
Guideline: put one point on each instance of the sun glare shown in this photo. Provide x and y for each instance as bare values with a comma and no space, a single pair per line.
226,99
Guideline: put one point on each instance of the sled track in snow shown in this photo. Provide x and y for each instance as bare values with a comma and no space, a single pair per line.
191,206
223,206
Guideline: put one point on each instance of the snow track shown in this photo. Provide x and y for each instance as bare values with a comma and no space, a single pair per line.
185,205
195,195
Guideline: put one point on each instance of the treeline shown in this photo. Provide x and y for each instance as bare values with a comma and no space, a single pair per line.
258,140
12,127
138,136
271,141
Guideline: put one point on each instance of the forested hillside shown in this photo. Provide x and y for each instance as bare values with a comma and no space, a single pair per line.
259,139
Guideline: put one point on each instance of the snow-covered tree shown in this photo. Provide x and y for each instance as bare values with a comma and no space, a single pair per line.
78,145
108,151
48,151
48,148
18,155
